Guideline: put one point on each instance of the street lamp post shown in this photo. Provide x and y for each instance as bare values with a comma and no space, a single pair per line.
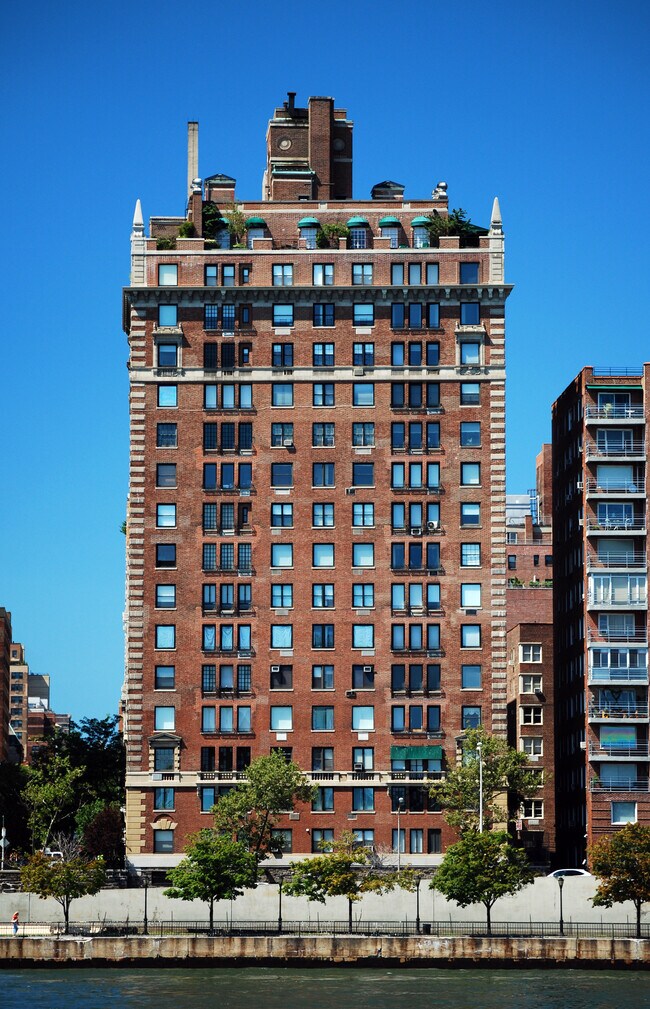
280,885
417,904
3,844
145,920
560,883
479,747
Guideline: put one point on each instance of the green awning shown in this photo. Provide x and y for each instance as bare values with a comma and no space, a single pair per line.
613,388
357,222
416,753
385,221
419,221
309,222
255,222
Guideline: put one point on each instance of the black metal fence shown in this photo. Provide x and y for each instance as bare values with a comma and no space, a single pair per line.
400,929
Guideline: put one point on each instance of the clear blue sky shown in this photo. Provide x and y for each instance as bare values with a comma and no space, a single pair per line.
545,104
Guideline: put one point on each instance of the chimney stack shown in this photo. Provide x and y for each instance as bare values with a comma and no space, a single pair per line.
192,155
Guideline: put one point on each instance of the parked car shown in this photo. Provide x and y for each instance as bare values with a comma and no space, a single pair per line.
53,853
569,872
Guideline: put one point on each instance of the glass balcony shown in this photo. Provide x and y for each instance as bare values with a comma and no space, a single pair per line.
618,752
633,412
624,785
617,712
628,449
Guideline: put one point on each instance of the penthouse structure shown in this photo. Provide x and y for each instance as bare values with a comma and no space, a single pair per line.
316,557
600,606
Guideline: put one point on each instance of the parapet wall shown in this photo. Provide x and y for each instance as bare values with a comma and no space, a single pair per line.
363,951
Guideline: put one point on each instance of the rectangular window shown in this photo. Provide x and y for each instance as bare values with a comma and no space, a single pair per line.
322,515
163,842
531,684
282,275
470,636
282,435
363,474
533,809
470,474
323,355
363,800
363,677
165,555
624,812
282,555
165,597
323,274
282,355
167,274
167,396
323,394
167,315
363,354
470,393
323,555
470,354
469,313
163,798
165,677
363,636
211,276
322,677
363,514
397,273
432,274
470,434
281,719
363,314
282,598
363,597
530,715
469,273
470,677
282,515
166,636
363,394
322,719
282,474
363,555
470,555
283,315
282,394
323,474
362,273
166,474
166,436
323,315
470,596
164,719
363,434
281,677
281,636
363,718
322,595
530,653
470,717
322,636
211,321
324,801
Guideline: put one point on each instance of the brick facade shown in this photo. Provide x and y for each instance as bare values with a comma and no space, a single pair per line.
312,481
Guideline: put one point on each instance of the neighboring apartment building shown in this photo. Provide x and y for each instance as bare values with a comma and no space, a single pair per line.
5,662
30,712
19,693
600,606
315,531
530,658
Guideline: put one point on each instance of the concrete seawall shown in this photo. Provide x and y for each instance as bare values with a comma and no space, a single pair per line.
366,951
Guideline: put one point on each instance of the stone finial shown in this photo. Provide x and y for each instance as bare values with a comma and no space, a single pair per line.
496,219
138,220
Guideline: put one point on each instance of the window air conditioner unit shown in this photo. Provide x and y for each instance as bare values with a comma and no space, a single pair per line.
275,669
227,613
416,530
368,669
350,693
358,767
156,777
359,371
350,490
288,443
580,484
432,526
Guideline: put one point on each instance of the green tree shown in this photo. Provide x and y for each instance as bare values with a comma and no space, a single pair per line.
342,871
94,744
51,797
622,863
213,221
235,221
507,779
65,880
480,868
214,868
13,778
103,835
456,222
250,811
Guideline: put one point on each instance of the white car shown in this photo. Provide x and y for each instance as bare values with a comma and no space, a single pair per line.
569,872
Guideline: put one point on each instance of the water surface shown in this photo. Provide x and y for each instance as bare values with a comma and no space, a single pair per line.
334,988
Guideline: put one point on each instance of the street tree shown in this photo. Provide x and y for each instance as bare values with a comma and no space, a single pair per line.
250,811
64,880
342,871
507,779
480,868
622,863
214,868
51,796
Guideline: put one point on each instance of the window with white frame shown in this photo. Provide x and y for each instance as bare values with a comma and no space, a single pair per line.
530,653
530,715
533,809
624,812
532,745
531,684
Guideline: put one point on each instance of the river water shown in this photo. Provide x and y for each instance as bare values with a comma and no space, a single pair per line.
334,988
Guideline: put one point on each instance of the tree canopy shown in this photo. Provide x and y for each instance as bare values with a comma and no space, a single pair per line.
622,863
480,868
250,811
507,779
65,880
214,868
51,795
342,871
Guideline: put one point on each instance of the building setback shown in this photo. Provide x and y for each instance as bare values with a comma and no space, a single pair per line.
315,532
600,606
5,660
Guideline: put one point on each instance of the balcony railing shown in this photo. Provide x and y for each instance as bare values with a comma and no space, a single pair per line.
625,785
419,489
606,674
616,487
619,751
636,635
635,561
633,450
598,712
598,601
222,775
596,413
621,525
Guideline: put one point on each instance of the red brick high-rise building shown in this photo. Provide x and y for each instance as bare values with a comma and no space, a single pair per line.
316,557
